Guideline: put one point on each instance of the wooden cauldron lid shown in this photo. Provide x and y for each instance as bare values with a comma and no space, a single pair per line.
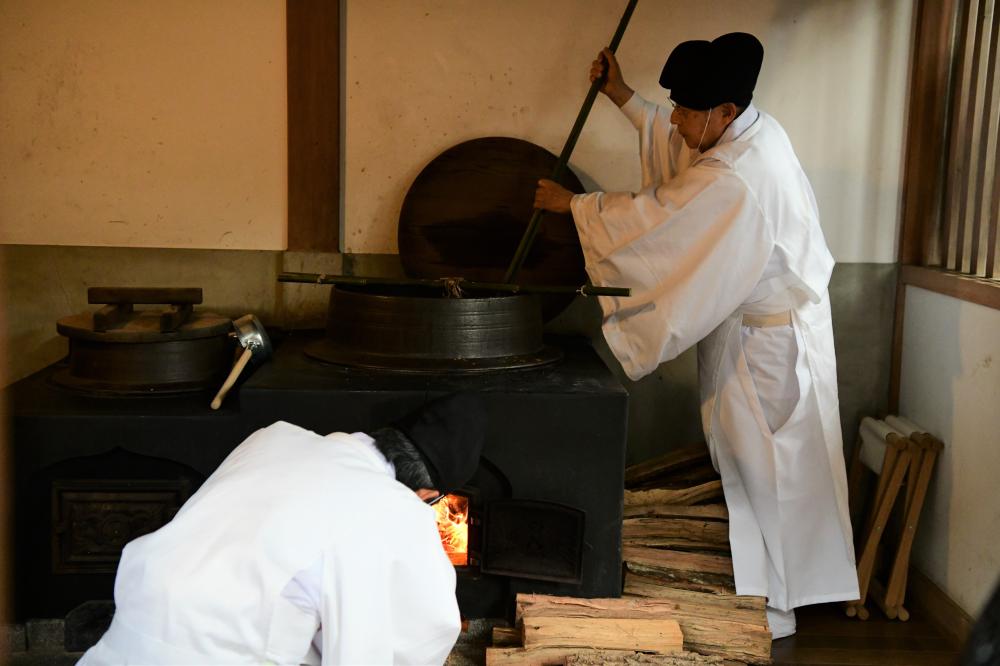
119,322
144,326
466,211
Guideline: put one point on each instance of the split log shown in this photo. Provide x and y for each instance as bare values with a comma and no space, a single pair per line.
692,476
676,533
679,561
701,493
667,464
726,605
559,656
703,511
689,571
660,636
677,659
726,626
507,637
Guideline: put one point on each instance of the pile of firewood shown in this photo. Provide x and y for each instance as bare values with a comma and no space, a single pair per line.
679,605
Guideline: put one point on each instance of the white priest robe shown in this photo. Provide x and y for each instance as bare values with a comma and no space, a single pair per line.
710,237
212,586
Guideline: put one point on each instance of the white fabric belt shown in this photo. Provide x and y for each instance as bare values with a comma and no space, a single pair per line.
768,320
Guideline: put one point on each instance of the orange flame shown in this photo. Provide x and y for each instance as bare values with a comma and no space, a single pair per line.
453,524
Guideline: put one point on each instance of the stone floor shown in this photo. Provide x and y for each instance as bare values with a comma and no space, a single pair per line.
36,643
470,649
824,636
44,643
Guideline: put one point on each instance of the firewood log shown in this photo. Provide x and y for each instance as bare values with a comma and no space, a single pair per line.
702,493
659,635
677,659
666,465
717,512
727,626
679,561
676,533
557,656
692,476
550,656
689,571
507,637
642,586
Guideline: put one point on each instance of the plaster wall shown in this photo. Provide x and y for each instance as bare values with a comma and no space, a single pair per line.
163,124
143,124
439,73
950,386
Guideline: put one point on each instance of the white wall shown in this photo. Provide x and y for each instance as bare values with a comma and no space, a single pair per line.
950,386
146,123
424,75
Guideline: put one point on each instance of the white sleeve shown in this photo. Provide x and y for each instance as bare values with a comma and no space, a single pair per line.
659,143
391,600
691,249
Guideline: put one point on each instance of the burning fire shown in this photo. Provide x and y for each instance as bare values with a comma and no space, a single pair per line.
453,524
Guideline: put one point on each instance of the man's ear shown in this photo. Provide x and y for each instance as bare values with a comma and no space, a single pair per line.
730,111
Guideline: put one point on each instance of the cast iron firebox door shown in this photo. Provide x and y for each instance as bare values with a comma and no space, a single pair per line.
534,540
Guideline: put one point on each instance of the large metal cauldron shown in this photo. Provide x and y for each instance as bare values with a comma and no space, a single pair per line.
464,216
419,330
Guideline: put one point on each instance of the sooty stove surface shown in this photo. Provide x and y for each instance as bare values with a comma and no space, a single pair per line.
555,436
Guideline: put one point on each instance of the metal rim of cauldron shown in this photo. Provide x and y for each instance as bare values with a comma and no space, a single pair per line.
419,331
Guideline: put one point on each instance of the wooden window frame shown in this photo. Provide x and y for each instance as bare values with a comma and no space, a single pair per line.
930,138
313,49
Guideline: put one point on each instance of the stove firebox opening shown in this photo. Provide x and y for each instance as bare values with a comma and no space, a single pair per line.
453,525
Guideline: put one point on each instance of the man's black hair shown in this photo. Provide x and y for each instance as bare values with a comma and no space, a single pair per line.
397,448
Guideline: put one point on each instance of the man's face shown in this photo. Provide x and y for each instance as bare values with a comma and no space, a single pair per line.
691,125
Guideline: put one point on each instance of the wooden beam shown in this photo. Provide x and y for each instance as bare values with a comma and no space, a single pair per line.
313,50
967,131
926,135
963,287
986,113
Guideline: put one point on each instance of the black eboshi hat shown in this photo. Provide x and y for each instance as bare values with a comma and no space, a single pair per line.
701,74
448,432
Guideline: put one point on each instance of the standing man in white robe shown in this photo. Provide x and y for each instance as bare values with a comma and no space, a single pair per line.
722,247
303,549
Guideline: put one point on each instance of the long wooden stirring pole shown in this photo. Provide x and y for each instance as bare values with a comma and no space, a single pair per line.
529,234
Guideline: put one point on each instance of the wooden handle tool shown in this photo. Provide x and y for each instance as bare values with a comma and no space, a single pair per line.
231,379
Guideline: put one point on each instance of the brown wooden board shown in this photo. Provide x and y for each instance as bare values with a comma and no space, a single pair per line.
468,208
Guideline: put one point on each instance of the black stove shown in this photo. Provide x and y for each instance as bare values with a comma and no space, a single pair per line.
92,473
